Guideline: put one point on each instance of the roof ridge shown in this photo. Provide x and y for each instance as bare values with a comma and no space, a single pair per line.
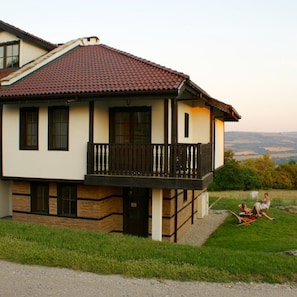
145,61
31,37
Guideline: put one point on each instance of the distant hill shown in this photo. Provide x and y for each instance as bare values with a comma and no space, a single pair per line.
282,147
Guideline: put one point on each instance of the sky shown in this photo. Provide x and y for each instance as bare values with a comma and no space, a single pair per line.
241,52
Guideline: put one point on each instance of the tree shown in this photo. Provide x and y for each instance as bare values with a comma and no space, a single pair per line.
252,180
229,177
265,168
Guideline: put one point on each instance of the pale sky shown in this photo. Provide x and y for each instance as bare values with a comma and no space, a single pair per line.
242,52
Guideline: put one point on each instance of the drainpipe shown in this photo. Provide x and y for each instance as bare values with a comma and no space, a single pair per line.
175,217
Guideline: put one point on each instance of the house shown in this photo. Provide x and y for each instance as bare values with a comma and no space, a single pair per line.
96,138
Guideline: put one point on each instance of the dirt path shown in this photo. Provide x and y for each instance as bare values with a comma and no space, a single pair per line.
28,281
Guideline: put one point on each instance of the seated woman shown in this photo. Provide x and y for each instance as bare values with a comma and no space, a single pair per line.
264,204
245,211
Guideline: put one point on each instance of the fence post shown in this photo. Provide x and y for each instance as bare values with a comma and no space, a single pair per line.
199,165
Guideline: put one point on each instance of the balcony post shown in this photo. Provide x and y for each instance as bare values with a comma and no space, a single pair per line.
90,158
199,169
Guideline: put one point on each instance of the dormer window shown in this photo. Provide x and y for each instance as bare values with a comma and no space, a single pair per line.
9,55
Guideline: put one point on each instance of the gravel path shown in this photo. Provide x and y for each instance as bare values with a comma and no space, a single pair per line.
31,281
200,231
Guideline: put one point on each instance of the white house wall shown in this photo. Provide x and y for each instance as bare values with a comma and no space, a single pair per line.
47,164
28,52
219,143
182,109
199,124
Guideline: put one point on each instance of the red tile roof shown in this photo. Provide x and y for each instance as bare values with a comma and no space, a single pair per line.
95,70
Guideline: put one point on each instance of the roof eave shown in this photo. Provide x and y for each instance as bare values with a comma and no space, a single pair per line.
27,36
74,97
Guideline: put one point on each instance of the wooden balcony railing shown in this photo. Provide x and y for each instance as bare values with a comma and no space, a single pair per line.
162,160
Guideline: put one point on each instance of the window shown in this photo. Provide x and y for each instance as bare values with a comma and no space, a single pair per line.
130,125
29,128
39,198
9,55
187,125
67,200
58,128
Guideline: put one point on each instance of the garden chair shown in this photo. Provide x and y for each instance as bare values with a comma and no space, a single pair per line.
242,220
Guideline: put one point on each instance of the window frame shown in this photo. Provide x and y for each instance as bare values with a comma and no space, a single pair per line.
24,131
5,57
35,187
131,133
187,124
72,211
51,130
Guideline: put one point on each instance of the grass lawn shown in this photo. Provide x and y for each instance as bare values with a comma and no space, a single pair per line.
233,253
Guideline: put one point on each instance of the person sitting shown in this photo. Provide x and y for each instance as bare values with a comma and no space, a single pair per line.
258,210
263,205
245,211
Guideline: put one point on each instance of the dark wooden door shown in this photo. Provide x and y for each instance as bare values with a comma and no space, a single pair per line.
135,219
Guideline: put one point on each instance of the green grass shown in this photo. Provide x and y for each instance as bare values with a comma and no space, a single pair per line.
233,253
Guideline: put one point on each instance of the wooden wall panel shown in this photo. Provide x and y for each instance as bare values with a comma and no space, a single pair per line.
21,203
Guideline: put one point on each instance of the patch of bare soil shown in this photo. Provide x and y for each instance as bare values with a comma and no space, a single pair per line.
290,208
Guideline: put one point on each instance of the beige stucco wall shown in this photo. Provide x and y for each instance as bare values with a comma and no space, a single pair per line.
29,52
72,164
199,124
6,37
47,164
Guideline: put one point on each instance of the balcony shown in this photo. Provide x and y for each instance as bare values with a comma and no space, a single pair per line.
151,165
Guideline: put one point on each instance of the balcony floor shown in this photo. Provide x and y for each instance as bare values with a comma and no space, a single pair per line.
149,181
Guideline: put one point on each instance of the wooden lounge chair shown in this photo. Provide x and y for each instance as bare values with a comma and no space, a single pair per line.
242,220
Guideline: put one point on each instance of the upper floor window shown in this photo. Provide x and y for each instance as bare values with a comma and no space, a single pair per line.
29,128
58,117
9,55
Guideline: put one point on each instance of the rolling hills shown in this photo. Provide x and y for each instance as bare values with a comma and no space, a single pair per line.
282,147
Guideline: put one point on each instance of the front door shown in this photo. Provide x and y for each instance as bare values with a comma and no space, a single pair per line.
136,211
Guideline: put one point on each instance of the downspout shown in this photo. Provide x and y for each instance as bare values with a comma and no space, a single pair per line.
174,126
212,138
175,217
193,208
174,136
1,139
91,121
90,147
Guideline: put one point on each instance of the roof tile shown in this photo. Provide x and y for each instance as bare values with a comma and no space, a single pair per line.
95,69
